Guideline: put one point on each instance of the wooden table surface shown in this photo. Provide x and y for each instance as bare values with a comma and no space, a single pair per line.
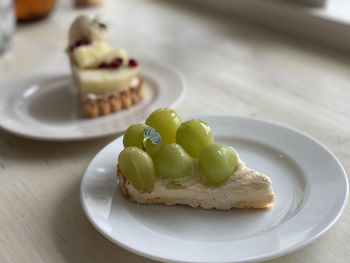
231,68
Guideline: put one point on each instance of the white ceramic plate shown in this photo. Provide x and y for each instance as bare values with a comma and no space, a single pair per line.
311,191
42,105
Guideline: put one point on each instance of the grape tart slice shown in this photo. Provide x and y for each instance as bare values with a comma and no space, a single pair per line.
216,179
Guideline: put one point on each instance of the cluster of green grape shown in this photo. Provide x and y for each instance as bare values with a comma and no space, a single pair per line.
165,147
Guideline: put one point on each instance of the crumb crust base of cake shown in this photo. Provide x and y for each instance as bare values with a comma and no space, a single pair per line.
94,106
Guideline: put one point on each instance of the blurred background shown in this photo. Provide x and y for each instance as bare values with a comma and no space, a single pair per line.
227,43
242,42
232,43
139,24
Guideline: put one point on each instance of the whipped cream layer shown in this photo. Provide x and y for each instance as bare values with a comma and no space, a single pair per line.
99,81
244,189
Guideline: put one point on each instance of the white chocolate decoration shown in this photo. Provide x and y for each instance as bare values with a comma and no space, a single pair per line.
85,27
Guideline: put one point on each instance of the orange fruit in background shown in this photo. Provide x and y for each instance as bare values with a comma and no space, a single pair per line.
29,10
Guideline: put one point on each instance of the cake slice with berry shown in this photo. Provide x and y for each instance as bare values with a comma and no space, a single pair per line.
107,80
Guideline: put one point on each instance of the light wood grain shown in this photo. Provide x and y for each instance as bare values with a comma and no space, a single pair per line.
231,68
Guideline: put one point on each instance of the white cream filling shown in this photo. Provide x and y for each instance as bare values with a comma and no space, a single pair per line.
245,185
102,81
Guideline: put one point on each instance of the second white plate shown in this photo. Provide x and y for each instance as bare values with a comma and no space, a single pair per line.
311,191
41,105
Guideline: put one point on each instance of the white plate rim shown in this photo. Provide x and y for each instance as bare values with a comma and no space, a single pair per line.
267,256
183,90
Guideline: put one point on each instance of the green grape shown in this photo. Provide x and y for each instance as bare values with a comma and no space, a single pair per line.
172,162
194,136
152,149
165,121
216,163
134,136
137,166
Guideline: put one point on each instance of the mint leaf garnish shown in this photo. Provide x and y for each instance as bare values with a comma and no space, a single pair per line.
102,25
152,135
99,23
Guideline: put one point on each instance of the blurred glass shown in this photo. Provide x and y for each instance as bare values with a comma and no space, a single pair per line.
7,24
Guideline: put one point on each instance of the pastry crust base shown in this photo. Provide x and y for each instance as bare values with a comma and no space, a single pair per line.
109,103
250,189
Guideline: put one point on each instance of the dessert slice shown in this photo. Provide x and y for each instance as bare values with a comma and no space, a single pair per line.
107,80
168,162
